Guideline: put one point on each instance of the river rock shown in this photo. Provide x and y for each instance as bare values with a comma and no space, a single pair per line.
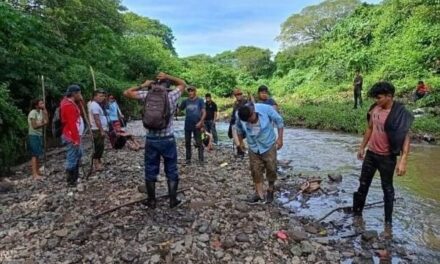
332,256
298,235
155,259
311,229
228,243
335,177
258,260
307,247
204,238
242,237
369,235
6,186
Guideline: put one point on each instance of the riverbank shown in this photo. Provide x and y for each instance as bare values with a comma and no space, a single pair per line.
339,115
47,222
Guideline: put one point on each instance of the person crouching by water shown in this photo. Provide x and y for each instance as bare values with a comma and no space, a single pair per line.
37,120
256,121
385,138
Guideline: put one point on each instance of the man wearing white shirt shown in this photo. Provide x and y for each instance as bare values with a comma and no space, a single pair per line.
99,126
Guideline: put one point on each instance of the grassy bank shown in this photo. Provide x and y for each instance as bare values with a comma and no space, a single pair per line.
335,113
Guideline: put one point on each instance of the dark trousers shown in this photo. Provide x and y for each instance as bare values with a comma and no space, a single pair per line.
156,147
386,166
210,127
357,98
198,137
98,142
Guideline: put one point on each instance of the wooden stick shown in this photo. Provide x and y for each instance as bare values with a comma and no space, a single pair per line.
134,202
348,208
44,127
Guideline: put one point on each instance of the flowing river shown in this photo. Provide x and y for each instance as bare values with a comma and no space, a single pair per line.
416,218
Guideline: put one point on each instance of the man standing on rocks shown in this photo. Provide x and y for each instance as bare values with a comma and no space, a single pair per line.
99,124
160,143
386,138
239,102
37,120
256,121
73,128
211,117
194,120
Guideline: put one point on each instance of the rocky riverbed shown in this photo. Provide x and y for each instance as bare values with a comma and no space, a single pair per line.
46,222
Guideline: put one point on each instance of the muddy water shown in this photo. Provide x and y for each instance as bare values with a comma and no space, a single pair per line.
416,216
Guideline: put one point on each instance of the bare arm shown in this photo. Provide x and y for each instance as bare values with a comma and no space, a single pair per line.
401,166
132,92
202,119
367,135
180,84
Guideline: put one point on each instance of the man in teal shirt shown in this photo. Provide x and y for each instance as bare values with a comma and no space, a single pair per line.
257,122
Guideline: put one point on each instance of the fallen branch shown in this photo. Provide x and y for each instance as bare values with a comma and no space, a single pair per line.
134,202
349,209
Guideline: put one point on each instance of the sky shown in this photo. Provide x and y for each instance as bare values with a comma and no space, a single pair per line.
211,27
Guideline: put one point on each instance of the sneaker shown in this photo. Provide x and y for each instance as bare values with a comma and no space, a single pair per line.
256,199
269,196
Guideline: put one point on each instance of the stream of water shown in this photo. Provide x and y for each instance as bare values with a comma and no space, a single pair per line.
416,218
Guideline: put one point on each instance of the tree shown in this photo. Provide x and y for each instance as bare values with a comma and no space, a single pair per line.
144,26
254,61
313,22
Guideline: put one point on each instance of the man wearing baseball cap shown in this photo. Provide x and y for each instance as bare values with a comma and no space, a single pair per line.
73,128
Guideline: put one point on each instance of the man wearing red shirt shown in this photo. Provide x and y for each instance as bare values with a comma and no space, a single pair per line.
73,128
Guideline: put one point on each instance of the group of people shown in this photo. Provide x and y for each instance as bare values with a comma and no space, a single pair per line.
252,120
420,91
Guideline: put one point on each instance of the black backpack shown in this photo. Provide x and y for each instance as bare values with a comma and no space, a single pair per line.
156,114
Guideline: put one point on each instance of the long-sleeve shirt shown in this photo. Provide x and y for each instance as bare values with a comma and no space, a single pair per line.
261,135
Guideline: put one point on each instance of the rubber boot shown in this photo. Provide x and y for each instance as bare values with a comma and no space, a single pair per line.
388,207
172,192
151,192
270,192
70,177
358,203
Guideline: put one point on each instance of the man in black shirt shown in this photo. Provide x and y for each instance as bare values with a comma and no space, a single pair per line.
211,116
357,89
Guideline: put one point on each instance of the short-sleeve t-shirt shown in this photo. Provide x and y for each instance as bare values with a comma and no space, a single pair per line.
193,112
96,109
379,142
211,108
38,117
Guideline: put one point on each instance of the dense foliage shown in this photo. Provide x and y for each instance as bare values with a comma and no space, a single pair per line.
311,77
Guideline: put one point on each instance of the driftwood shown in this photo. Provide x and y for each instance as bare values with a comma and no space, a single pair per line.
349,209
134,202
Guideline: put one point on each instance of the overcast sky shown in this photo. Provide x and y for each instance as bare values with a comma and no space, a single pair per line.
211,27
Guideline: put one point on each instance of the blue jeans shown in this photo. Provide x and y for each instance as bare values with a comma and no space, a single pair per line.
156,147
73,156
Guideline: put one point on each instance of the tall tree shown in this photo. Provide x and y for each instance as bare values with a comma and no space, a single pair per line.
314,21
254,61
138,25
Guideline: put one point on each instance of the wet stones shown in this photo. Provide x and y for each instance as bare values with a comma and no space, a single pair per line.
369,235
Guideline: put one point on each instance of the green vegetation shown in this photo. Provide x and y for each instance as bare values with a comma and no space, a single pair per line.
311,77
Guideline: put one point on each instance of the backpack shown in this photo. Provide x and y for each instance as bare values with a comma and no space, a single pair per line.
157,111
57,126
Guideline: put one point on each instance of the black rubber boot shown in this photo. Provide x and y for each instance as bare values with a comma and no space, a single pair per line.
70,178
172,192
270,192
358,203
151,192
388,206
